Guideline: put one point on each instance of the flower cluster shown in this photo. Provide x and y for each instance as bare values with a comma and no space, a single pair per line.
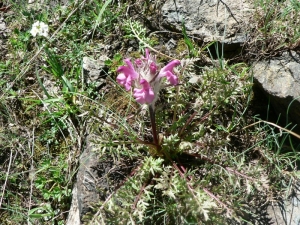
145,76
39,28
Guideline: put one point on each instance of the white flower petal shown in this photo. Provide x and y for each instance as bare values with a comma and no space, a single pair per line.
39,28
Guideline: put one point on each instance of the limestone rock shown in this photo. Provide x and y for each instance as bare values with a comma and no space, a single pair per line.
85,192
93,70
2,25
4,34
74,215
212,20
86,181
286,211
279,78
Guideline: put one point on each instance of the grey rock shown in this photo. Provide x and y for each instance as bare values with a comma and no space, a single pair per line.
85,193
2,25
4,34
38,4
213,20
4,31
51,87
92,184
287,211
279,78
171,44
93,70
74,215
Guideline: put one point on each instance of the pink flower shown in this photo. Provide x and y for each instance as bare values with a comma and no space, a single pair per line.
167,71
144,95
145,76
126,74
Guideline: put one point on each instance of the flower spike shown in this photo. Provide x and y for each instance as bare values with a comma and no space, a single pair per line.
145,76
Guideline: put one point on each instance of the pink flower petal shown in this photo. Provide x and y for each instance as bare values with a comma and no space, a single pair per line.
173,79
167,71
127,73
128,70
138,62
144,95
170,66
124,80
153,68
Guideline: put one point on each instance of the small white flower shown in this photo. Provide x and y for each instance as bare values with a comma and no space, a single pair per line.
39,28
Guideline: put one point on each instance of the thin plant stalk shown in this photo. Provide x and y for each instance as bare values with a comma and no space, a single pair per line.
6,178
153,125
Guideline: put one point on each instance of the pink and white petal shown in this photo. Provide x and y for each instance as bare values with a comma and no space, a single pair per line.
147,53
121,78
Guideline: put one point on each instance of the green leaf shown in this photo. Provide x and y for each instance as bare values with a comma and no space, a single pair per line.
188,42
47,194
68,84
41,84
99,18
55,66
38,216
